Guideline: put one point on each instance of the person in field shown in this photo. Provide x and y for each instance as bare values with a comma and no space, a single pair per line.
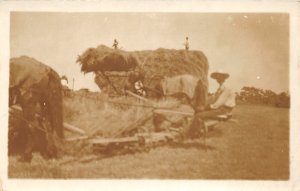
139,88
116,44
222,102
187,44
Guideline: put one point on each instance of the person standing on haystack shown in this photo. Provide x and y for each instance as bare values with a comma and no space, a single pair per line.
115,45
222,103
187,44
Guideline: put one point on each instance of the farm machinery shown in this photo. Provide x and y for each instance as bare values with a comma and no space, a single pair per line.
121,73
139,137
136,137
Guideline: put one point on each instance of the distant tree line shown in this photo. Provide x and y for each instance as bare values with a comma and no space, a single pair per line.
254,95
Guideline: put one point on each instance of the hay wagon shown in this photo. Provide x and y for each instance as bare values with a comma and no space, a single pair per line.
112,69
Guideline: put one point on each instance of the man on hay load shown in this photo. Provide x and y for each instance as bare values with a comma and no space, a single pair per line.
221,103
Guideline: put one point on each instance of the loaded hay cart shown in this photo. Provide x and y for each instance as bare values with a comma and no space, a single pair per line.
112,69
115,68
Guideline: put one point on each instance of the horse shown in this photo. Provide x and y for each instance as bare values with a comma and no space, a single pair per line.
37,89
186,88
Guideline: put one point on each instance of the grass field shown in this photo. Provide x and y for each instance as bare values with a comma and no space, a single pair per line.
256,146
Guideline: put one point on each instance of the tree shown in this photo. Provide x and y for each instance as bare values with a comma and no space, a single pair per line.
254,95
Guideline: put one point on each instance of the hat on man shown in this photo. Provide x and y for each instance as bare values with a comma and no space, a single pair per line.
219,74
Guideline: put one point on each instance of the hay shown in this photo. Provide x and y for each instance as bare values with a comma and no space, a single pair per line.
103,58
154,64
170,62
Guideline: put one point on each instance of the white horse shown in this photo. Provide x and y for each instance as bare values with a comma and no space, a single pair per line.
181,84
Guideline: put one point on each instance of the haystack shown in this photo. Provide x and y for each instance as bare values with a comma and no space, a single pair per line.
103,59
154,64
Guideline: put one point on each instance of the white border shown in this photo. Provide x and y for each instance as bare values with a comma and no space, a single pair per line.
291,7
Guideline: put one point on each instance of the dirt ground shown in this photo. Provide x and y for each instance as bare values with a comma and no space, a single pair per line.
254,146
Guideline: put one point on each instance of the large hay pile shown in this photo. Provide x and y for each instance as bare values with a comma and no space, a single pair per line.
103,58
154,64
171,62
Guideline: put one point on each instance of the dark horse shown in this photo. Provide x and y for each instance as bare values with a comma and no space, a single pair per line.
36,88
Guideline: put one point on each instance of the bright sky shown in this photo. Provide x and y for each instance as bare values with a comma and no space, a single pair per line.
253,48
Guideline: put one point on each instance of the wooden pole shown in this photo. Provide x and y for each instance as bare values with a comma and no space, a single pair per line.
73,129
174,112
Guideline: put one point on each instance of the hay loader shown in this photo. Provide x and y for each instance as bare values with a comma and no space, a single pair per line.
136,137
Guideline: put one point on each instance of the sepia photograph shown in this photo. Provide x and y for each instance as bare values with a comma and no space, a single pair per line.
150,95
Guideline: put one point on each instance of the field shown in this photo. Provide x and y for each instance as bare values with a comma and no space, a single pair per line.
253,146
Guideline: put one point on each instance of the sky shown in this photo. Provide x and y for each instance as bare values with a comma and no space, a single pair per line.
252,47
